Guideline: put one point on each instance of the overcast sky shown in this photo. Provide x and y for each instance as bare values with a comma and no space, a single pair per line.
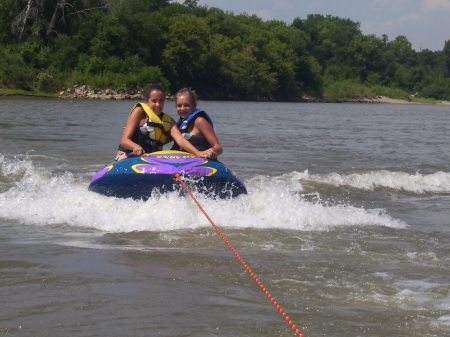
425,23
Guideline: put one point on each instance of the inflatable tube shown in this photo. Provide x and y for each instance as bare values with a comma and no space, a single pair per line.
140,177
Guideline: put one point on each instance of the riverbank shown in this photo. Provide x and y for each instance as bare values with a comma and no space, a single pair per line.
77,92
387,100
85,92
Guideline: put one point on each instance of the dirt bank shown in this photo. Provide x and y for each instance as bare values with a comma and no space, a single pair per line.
387,100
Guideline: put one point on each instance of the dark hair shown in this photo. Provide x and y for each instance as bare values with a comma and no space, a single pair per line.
189,92
153,87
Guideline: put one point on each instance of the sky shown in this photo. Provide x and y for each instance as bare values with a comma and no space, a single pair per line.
425,23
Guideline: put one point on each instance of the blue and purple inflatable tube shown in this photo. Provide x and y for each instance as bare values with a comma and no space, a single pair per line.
140,177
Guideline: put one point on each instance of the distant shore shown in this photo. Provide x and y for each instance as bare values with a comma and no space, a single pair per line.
387,100
84,92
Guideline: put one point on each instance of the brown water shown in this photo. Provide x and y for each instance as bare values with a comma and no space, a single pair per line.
346,223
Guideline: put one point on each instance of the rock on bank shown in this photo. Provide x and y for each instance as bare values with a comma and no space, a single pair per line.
86,92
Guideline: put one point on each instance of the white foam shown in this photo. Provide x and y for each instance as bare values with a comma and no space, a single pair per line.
40,198
438,182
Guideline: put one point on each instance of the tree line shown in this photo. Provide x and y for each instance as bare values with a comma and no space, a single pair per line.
49,45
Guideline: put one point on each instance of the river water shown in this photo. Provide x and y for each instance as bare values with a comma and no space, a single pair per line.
346,223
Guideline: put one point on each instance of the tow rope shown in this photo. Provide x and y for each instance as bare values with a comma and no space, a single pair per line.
247,268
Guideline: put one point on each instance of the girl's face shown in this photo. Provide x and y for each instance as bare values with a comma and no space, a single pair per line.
184,106
156,101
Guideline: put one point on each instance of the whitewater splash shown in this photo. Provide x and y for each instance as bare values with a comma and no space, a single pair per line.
438,182
35,196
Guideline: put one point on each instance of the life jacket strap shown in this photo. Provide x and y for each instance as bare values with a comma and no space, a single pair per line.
158,125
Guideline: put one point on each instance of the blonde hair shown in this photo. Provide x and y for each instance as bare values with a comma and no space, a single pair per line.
187,92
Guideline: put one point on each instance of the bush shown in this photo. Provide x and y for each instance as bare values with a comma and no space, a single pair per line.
439,90
129,82
345,90
14,73
389,92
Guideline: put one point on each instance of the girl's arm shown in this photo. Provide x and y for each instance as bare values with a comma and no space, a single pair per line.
133,123
206,129
187,146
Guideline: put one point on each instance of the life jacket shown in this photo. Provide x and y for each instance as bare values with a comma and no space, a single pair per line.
153,134
187,125
158,127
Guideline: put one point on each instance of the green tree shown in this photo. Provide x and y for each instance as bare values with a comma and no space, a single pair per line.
187,37
64,55
226,24
14,72
400,50
146,36
427,58
214,74
364,57
110,39
191,3
129,7
446,52
330,37
438,89
125,44
8,11
309,75
248,78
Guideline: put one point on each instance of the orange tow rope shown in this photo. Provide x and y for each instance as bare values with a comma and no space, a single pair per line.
247,268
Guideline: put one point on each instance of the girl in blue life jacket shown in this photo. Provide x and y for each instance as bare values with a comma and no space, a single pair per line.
195,125
148,128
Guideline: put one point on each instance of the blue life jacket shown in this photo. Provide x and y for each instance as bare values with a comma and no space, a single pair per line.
186,125
183,124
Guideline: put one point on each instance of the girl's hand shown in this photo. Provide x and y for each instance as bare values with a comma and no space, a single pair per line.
210,154
138,151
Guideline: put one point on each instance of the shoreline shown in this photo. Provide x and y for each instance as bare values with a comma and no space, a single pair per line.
85,93
387,100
